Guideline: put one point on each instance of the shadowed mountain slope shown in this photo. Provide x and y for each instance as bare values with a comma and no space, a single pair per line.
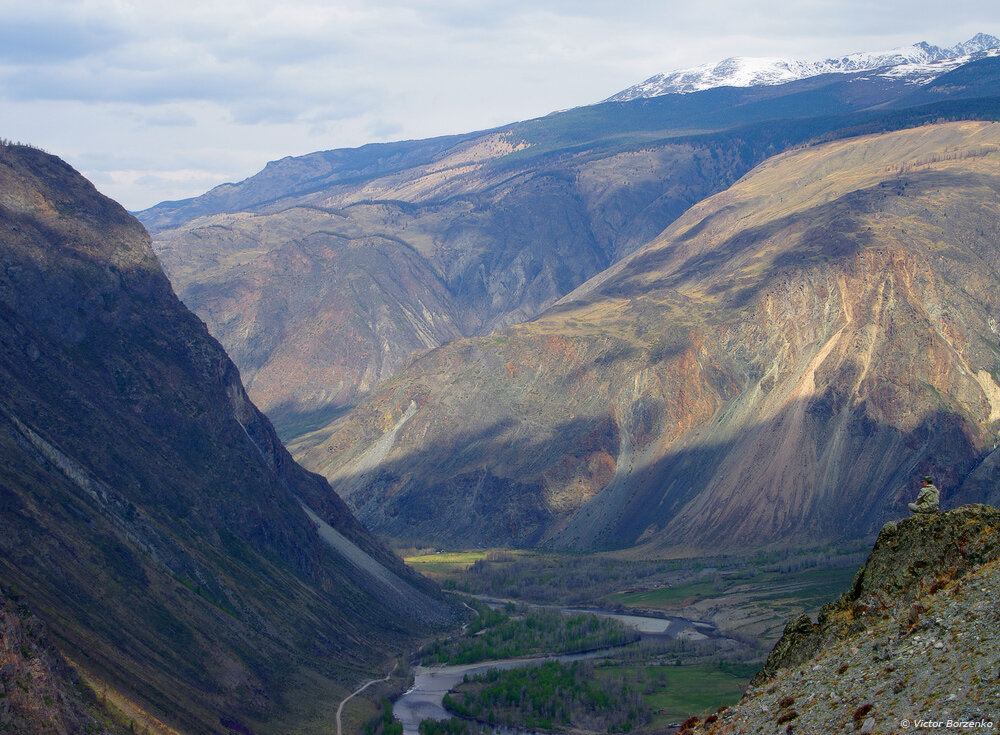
775,368
322,274
39,691
148,512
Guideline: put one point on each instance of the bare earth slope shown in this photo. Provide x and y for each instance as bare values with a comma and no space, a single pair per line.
148,513
320,299
777,367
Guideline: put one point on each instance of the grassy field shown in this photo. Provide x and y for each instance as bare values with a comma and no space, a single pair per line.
809,589
812,588
442,566
756,605
677,692
666,598
752,596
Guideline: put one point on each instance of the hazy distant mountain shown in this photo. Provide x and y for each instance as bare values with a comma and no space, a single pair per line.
148,512
917,64
777,367
323,274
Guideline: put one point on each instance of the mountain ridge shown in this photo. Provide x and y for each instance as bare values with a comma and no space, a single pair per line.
919,63
320,295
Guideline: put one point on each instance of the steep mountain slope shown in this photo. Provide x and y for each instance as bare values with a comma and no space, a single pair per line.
320,300
918,63
148,512
39,691
322,274
913,641
776,367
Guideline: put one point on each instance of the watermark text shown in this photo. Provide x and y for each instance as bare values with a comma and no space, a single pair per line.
918,724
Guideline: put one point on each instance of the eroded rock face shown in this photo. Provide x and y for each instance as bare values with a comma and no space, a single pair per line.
778,367
323,273
324,294
913,639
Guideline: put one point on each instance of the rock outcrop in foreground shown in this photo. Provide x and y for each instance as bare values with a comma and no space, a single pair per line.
911,644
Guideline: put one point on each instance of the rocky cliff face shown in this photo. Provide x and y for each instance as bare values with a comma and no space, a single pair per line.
150,514
320,300
777,367
39,691
913,640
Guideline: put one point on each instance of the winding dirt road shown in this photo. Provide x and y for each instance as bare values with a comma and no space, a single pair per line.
340,709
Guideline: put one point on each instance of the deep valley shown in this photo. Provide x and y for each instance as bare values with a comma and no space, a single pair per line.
606,421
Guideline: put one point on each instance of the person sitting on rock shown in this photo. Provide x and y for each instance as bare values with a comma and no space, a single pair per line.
928,499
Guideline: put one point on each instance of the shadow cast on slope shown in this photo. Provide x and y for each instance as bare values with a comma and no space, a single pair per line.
849,475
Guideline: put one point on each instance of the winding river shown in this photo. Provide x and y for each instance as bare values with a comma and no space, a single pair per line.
423,700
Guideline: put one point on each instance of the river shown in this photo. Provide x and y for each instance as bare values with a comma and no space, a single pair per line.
431,683
423,700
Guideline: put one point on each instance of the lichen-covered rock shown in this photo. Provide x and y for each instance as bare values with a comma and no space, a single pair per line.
911,557
915,638
916,552
797,644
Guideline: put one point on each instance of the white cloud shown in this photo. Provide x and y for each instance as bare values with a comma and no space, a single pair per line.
197,92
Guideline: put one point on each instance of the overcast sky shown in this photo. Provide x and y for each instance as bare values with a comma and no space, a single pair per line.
154,100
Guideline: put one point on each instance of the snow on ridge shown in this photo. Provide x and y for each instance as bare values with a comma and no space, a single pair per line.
920,62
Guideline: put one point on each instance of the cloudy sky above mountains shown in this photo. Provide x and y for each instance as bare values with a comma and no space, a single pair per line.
154,101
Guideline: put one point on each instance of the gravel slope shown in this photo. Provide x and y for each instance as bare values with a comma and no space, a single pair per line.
900,651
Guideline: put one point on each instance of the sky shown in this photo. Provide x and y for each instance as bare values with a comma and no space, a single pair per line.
156,101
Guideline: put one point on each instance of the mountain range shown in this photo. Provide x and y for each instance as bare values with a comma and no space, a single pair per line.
579,428
322,274
917,64
733,318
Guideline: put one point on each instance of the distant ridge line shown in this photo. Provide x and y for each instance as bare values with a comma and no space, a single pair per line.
921,62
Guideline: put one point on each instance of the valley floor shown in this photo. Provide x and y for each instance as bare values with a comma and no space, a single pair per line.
750,597
744,603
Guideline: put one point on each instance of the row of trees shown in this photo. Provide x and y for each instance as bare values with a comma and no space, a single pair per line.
385,723
551,696
449,727
498,634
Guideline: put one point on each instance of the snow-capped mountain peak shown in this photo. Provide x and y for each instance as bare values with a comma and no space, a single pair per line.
921,62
